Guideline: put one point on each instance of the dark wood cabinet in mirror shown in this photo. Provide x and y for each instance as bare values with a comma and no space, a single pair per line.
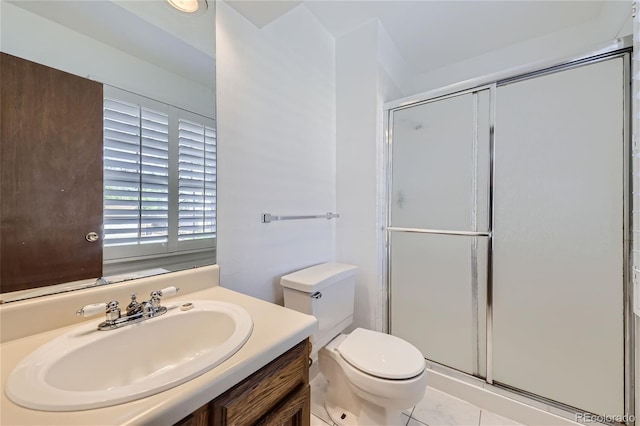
111,130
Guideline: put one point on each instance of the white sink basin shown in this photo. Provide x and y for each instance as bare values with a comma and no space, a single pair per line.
86,368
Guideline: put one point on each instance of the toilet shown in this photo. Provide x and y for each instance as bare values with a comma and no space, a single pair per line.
371,376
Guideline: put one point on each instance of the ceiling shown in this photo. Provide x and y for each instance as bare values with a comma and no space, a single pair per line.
431,34
145,29
428,34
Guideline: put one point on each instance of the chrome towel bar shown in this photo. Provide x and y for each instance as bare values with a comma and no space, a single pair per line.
268,217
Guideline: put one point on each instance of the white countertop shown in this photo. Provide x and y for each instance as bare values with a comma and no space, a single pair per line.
275,330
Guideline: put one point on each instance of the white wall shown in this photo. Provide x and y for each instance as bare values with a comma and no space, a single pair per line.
364,81
276,148
40,40
356,108
300,131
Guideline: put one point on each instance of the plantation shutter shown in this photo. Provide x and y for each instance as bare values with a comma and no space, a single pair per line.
136,174
196,181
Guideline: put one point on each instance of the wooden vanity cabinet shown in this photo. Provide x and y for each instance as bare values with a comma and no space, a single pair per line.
276,395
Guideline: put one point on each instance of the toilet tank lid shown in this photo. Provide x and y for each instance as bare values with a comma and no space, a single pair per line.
317,277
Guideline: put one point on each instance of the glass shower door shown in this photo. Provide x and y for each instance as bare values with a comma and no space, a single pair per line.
508,245
558,276
438,231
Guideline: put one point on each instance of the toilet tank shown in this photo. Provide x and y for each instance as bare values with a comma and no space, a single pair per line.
326,292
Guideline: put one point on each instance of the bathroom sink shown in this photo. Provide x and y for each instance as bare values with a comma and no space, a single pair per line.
86,368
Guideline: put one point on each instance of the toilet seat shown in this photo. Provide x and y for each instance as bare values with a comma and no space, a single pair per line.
381,355
389,393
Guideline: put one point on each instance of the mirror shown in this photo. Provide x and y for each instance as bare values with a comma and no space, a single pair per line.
157,69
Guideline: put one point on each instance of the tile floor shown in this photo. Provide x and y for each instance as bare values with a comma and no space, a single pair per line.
436,409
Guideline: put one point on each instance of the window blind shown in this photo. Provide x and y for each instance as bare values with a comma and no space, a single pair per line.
136,174
196,181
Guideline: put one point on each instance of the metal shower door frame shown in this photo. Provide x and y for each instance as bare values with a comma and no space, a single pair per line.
618,48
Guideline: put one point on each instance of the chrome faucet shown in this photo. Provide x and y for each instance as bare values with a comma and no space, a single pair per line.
134,313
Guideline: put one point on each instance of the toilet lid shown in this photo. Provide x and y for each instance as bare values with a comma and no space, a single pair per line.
381,355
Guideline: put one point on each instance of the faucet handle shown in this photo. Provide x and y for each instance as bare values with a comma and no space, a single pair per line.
165,292
111,309
91,310
169,291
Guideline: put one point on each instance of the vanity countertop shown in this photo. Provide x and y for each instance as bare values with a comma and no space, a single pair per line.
275,330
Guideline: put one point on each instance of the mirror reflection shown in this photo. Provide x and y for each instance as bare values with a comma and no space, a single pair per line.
108,148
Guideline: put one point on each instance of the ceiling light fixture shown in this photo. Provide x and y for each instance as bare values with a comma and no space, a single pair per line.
189,6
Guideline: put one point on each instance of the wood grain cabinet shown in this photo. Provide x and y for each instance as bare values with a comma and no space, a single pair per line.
276,395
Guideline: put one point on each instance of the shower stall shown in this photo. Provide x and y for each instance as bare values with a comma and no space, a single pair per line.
508,230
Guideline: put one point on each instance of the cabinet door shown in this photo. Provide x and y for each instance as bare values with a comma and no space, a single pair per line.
200,417
295,410
50,175
264,391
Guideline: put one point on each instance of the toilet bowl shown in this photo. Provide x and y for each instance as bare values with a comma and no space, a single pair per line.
371,376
